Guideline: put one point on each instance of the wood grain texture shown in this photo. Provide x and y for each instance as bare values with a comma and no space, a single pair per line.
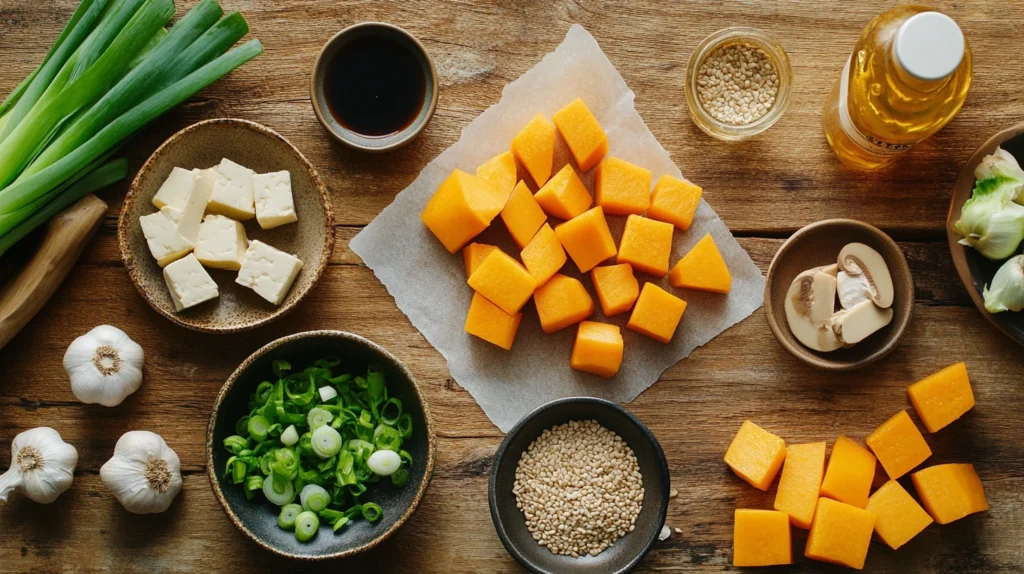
764,189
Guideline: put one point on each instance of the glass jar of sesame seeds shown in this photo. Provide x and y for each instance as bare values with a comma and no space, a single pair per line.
738,83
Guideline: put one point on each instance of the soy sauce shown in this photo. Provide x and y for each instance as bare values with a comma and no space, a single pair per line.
375,86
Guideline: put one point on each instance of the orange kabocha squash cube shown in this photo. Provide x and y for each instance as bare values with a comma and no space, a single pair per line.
522,215
487,321
840,534
950,491
656,314
674,201
622,188
534,148
943,397
702,268
581,132
755,455
800,484
503,281
646,245
500,170
587,239
899,446
561,302
616,287
898,517
564,196
598,349
543,256
474,254
761,538
851,469
461,208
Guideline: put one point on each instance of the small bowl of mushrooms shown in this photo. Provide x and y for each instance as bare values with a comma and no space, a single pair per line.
839,294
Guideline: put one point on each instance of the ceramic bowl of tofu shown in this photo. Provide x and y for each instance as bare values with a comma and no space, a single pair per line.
226,227
793,285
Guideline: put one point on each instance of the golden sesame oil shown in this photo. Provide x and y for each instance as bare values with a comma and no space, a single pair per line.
907,77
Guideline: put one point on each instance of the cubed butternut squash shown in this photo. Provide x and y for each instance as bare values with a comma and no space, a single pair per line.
646,245
587,239
674,201
582,133
474,254
487,321
564,196
503,281
950,491
597,349
761,538
500,170
461,208
561,302
899,446
622,188
616,287
534,148
840,534
522,215
898,517
755,455
656,313
943,397
543,256
851,469
702,268
800,484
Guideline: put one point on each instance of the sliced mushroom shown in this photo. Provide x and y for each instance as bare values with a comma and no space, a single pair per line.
810,303
859,322
859,259
852,289
829,269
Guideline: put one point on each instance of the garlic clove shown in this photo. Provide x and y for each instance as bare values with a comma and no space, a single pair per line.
144,474
42,466
104,365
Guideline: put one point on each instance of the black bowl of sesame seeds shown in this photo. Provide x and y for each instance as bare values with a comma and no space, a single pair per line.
579,486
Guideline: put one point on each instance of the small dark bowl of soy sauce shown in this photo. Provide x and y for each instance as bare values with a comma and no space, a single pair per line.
374,88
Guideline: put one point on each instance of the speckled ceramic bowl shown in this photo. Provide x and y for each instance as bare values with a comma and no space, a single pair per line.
258,518
257,147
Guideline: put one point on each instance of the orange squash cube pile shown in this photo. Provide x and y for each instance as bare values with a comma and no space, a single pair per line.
564,196
622,188
474,254
950,491
582,133
534,148
702,268
898,517
597,349
850,472
943,397
500,170
487,321
616,287
761,538
646,245
800,484
656,313
899,446
755,455
674,201
461,208
543,256
587,239
522,215
503,281
561,302
840,534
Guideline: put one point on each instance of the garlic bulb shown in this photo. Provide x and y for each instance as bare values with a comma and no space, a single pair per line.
144,474
42,466
104,366
1007,289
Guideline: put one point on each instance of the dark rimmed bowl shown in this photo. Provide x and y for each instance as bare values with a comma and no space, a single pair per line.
626,552
974,269
356,140
258,518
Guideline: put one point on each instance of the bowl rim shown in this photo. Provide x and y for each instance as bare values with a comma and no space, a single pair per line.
500,453
350,138
804,354
272,346
124,227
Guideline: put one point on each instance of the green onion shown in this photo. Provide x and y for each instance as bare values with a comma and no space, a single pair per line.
400,477
387,438
288,514
396,411
279,493
285,465
339,523
372,511
258,427
326,442
242,426
306,526
238,472
235,444
290,436
404,425
314,497
318,417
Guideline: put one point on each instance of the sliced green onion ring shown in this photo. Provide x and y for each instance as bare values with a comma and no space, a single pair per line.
290,436
326,442
315,498
276,496
258,427
288,514
318,417
372,511
306,526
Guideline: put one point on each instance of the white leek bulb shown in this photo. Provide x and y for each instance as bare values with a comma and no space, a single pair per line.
144,474
1007,291
990,221
104,366
384,462
42,466
1001,163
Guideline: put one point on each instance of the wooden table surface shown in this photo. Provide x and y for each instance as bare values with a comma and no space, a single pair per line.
764,189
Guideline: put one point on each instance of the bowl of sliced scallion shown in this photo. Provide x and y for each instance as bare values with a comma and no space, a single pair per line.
320,445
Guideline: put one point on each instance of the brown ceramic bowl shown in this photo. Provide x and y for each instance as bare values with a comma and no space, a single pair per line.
257,518
356,140
974,269
257,147
819,244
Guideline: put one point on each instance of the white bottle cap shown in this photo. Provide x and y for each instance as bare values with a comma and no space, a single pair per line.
929,45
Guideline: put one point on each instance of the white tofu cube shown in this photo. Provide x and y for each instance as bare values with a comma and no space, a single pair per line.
165,243
195,206
232,193
172,213
222,243
175,189
274,203
268,271
189,283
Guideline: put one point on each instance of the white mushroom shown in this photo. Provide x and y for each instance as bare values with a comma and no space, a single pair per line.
810,303
860,321
859,259
852,289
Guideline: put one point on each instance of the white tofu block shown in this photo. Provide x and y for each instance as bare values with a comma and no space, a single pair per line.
222,243
274,203
194,208
206,178
165,243
172,213
268,271
189,283
232,193
175,189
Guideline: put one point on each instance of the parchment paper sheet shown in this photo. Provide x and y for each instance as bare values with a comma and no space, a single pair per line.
429,284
